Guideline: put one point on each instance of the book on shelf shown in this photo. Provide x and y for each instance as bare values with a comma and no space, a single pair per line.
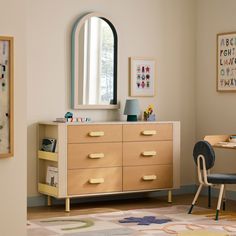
52,176
62,120
49,144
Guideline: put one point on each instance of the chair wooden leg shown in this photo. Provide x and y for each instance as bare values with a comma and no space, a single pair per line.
224,199
209,196
224,203
195,198
219,201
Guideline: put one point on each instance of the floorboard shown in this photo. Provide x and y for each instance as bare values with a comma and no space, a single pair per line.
116,205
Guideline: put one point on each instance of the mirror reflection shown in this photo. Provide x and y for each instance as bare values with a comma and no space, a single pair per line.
95,57
97,47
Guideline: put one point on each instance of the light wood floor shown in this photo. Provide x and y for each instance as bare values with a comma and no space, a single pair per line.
108,206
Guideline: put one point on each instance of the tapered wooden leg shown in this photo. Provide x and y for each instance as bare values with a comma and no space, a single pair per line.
169,196
67,204
219,201
209,196
49,201
195,198
224,199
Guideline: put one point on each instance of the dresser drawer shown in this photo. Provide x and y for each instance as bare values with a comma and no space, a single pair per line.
147,177
99,180
90,155
147,132
94,133
147,153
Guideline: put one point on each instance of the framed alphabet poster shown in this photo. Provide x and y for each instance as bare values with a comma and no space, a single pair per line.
6,96
142,77
226,62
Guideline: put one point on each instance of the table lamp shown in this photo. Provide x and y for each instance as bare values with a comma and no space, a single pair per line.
132,109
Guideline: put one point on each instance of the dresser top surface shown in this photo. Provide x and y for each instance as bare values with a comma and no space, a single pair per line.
106,123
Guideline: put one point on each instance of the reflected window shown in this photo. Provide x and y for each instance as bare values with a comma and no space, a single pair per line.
98,76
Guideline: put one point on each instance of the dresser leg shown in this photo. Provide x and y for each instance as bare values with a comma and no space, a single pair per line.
169,196
67,204
49,201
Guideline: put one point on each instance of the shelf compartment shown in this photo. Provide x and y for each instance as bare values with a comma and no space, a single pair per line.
50,156
47,189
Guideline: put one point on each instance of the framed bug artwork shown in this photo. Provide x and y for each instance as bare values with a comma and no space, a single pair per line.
142,77
6,97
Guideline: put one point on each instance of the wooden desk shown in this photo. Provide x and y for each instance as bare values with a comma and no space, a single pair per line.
220,141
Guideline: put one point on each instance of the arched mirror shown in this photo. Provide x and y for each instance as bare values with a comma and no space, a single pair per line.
94,63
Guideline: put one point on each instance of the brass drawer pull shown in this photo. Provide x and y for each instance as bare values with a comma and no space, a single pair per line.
96,155
149,177
96,181
96,133
149,153
149,132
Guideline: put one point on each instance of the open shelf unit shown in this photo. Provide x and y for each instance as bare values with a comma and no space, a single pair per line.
51,159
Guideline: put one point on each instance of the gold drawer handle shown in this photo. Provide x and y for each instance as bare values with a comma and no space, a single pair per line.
149,153
96,155
149,132
149,177
96,181
96,134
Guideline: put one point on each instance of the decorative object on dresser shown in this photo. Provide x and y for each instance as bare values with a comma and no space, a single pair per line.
142,74
97,158
132,109
148,114
6,97
69,117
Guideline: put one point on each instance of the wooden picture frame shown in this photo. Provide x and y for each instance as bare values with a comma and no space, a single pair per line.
142,73
6,97
226,62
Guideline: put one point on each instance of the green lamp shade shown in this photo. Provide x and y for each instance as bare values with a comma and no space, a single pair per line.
132,109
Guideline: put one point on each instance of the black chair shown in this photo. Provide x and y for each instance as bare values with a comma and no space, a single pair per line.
204,157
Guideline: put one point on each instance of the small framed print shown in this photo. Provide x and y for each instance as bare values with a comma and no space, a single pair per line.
142,77
226,62
6,97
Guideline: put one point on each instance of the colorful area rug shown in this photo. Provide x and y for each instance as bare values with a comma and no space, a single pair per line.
172,220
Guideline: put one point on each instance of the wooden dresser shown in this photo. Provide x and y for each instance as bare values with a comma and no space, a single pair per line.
112,157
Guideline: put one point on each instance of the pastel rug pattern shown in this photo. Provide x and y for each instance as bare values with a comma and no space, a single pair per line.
172,220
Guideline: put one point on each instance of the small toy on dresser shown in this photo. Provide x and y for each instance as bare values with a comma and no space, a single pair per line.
148,114
71,119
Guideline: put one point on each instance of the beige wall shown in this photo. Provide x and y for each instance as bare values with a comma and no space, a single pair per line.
215,111
168,27
163,29
13,170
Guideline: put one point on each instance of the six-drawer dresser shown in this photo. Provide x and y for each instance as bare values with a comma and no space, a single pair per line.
108,158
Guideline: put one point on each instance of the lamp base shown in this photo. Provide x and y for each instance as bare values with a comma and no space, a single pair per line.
132,118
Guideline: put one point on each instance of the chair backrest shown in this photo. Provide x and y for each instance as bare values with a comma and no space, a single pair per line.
205,149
